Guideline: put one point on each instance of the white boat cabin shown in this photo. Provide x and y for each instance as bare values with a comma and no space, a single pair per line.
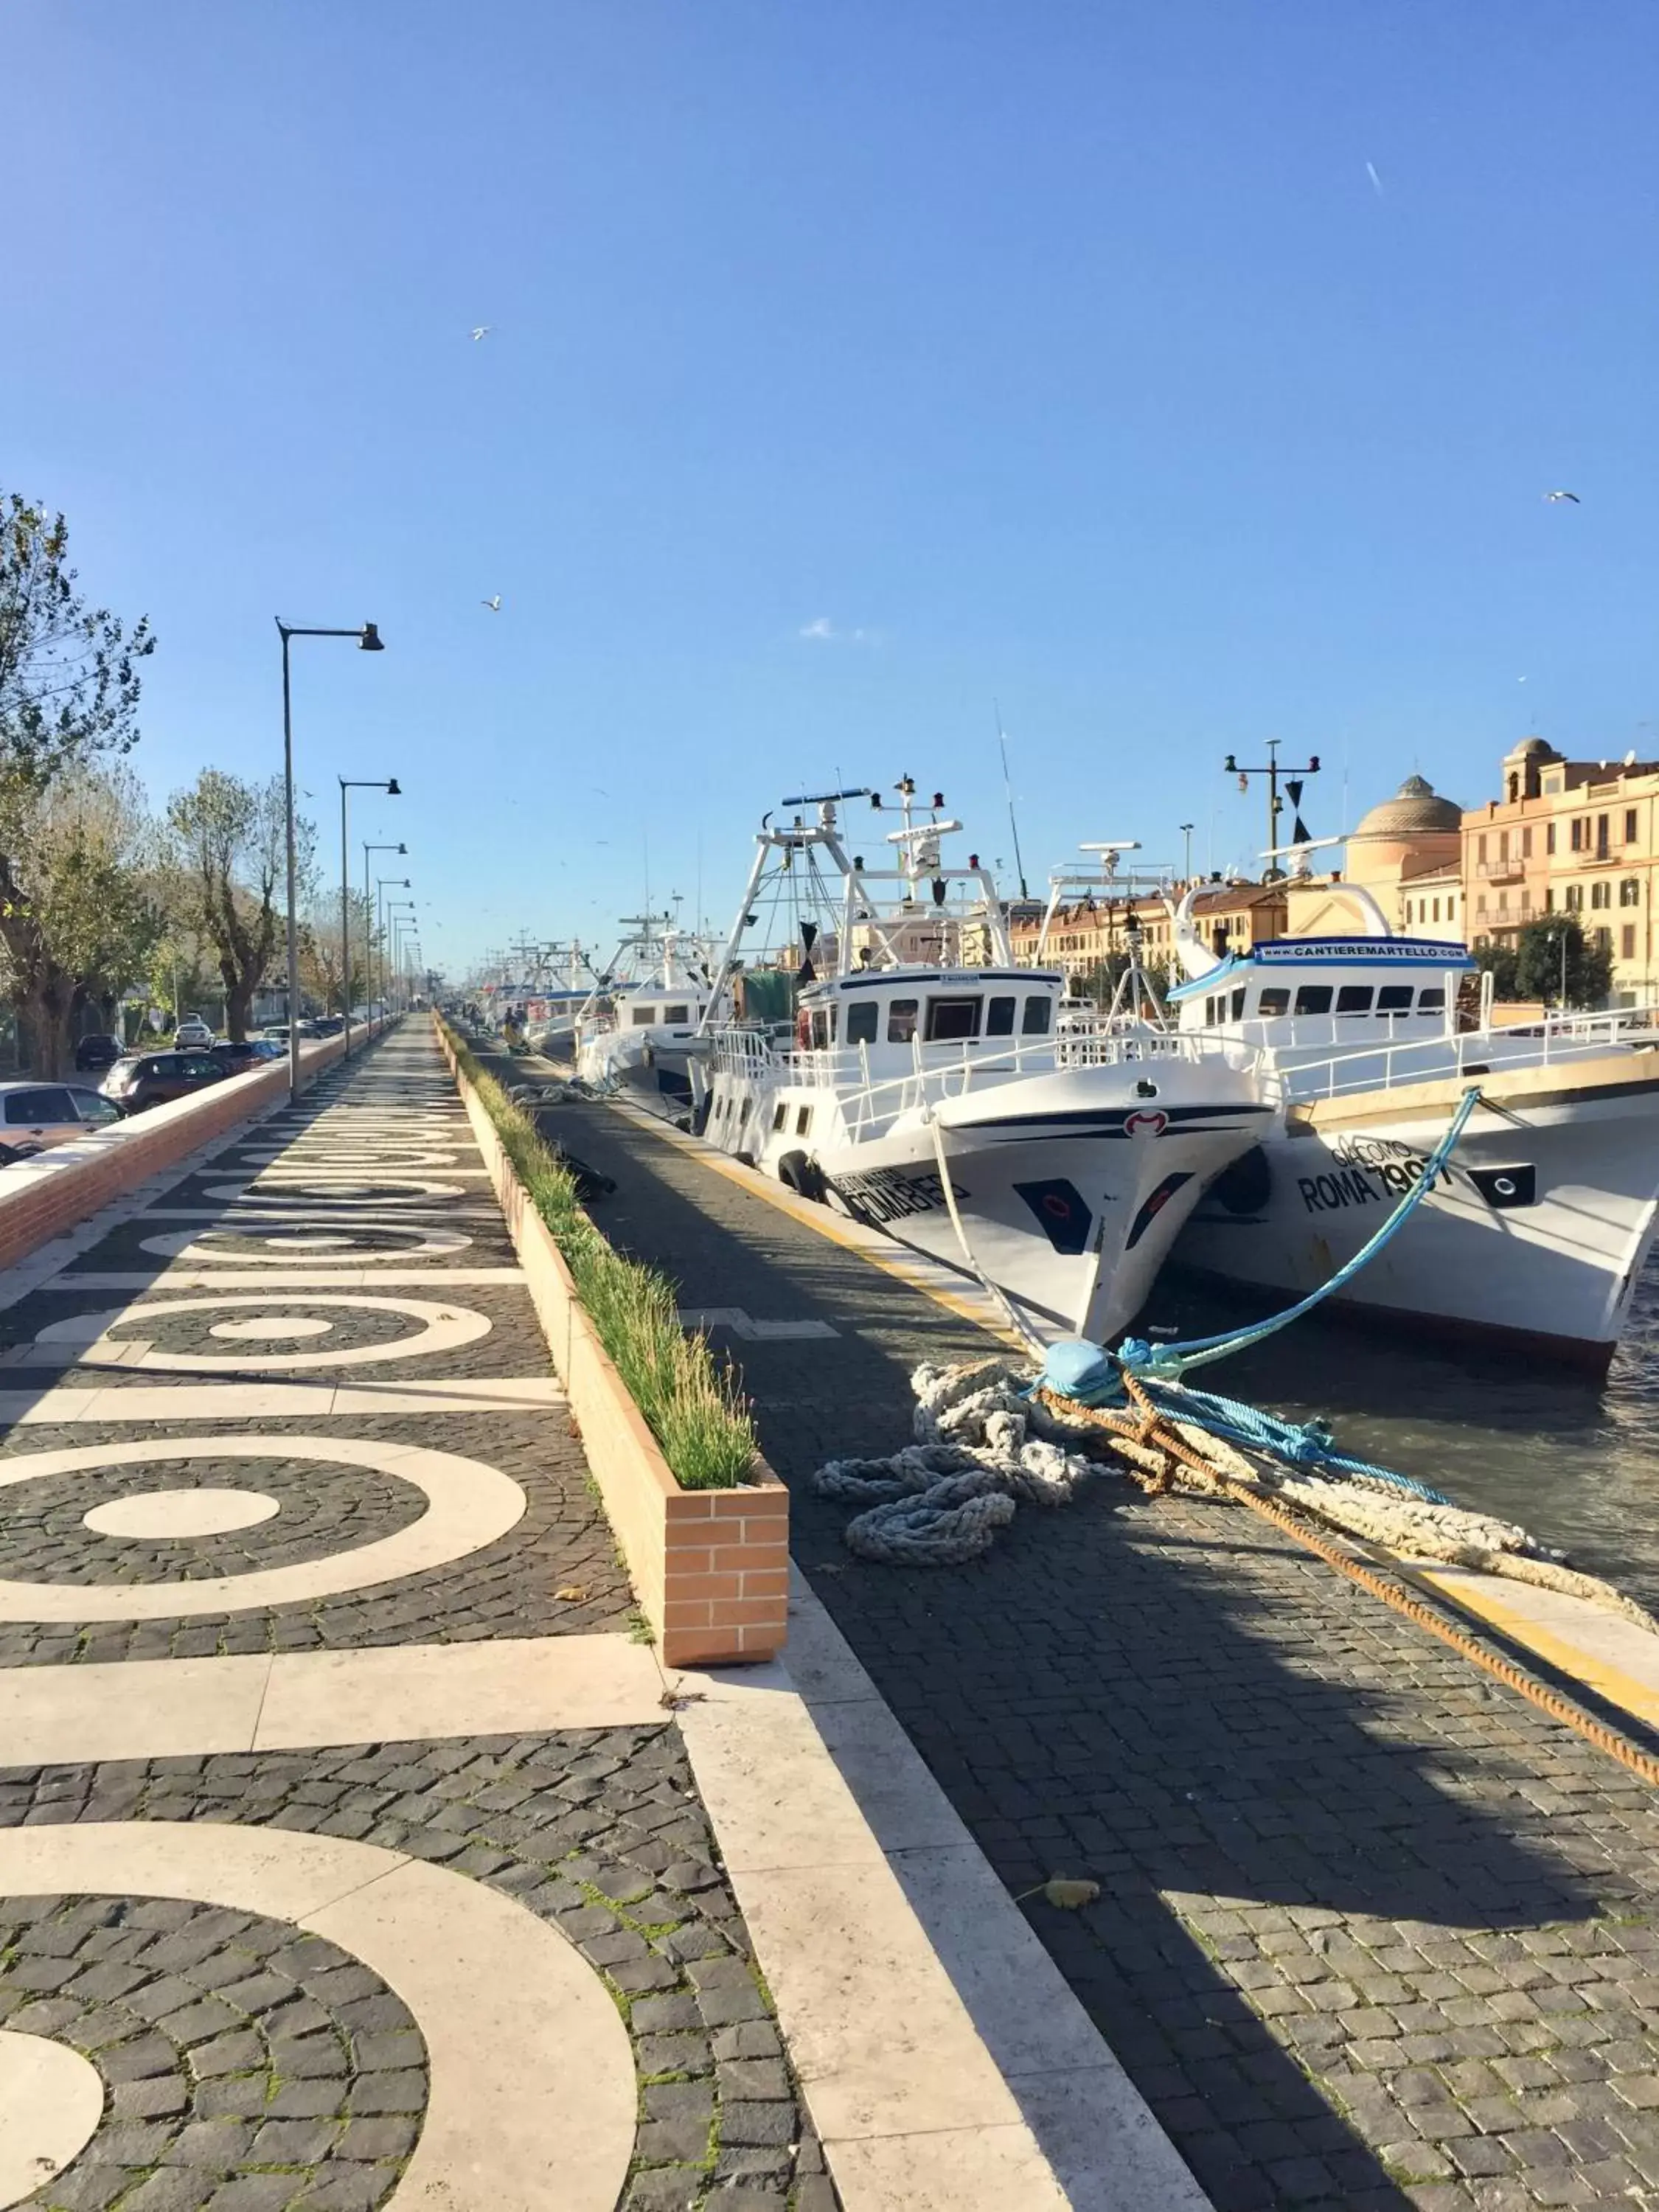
889,1021
1328,994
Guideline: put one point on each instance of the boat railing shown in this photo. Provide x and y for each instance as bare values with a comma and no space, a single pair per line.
1549,1041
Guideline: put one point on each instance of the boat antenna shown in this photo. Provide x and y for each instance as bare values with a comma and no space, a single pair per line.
1002,742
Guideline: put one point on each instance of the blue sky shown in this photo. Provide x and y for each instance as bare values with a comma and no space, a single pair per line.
1065,354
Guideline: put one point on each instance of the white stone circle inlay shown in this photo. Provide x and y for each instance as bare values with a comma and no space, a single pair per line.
396,1190
443,1329
50,2102
468,1505
263,1326
158,1515
317,1248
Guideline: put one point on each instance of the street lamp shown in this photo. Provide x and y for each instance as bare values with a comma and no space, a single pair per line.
368,641
369,928
1185,830
403,928
353,783
382,909
395,921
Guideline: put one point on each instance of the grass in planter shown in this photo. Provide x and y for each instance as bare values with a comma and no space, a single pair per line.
694,1410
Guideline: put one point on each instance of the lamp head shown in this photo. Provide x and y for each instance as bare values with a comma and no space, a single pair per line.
393,789
369,642
403,848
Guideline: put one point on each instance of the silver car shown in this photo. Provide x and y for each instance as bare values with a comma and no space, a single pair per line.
34,1116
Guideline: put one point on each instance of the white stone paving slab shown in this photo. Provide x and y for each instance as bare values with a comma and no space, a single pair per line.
275,1401
50,2102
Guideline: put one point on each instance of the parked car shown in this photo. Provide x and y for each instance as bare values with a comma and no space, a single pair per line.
237,1059
152,1078
327,1025
94,1053
34,1116
191,1033
266,1048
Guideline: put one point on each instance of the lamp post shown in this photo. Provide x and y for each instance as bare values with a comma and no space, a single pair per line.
394,922
368,641
1273,772
1185,830
353,783
369,907
380,883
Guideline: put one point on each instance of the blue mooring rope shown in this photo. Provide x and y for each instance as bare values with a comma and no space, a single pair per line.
1160,1368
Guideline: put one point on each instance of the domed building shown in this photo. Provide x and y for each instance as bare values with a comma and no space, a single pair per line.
1407,854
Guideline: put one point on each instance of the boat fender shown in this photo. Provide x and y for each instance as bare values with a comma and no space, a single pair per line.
1073,1368
804,1176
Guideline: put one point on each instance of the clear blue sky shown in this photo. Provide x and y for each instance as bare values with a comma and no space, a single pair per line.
1065,352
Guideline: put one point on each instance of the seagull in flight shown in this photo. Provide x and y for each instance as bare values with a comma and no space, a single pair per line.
483,330
1554,496
494,606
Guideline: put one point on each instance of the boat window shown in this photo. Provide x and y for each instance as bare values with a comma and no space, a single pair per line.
1274,1001
1035,1021
779,1116
901,1021
641,1017
677,1014
803,1121
951,1020
1432,1002
1354,998
1000,1016
1238,1004
1312,999
861,1021
1395,998
821,1028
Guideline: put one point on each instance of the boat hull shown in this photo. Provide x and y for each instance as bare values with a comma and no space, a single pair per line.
1534,1234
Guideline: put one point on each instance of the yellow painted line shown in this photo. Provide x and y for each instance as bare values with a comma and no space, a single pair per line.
1609,1682
818,1218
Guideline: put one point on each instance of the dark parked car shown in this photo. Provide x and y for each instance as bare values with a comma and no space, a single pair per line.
156,1077
94,1052
237,1059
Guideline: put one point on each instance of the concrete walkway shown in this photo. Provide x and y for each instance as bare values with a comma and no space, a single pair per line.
1373,1932
354,1850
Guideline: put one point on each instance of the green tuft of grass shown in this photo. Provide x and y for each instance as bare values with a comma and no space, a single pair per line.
697,1411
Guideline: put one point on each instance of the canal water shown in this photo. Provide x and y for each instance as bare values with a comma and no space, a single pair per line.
1574,1461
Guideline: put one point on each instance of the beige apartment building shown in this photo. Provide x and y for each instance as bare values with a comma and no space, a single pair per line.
1578,837
1233,916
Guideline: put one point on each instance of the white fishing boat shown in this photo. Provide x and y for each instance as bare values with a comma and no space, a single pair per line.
635,1035
1538,1226
928,1088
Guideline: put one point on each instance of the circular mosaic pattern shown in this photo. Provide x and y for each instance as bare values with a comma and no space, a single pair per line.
382,1511
396,1191
157,1516
224,2043
335,2005
302,1245
270,1328
147,1336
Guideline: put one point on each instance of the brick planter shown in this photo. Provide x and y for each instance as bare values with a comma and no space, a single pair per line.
711,1566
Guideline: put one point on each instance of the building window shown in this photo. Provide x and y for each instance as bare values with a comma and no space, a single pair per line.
1503,844
1630,891
1630,825
1451,909
1601,837
1549,836
1577,833
1503,902
1603,940
1549,901
1480,847
1526,843
1436,909
1602,894
1574,898
1480,904
1627,941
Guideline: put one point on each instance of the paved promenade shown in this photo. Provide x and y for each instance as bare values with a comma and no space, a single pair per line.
1373,1932
350,1852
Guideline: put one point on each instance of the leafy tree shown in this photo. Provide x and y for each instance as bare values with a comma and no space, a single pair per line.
1539,963
79,917
69,676
1499,961
230,849
320,961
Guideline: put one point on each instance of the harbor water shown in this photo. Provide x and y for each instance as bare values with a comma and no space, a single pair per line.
1574,1460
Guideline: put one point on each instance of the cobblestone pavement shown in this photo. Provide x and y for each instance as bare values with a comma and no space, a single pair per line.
248,2063
1372,1931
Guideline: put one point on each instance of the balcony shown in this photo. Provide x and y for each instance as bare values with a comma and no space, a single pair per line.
1501,871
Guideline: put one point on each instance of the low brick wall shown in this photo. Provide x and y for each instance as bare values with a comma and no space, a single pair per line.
711,1566
42,1198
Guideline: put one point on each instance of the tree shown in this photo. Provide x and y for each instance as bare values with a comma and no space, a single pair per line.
68,677
1588,969
79,917
320,961
230,849
1499,961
